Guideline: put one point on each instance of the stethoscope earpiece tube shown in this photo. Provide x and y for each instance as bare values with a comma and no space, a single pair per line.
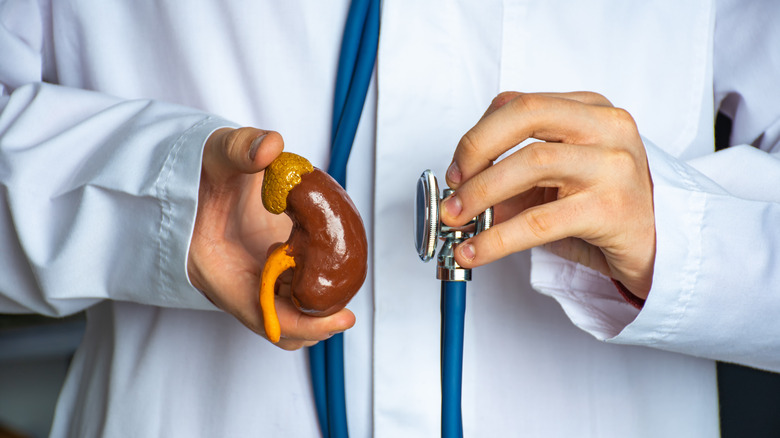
356,65
334,375
319,385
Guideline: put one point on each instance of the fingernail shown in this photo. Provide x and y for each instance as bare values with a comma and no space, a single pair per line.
255,146
453,173
453,206
331,334
467,251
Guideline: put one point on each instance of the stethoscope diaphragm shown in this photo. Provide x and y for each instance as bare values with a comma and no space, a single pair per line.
427,225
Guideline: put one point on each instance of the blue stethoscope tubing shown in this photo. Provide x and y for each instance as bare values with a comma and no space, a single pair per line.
355,68
356,65
357,59
453,315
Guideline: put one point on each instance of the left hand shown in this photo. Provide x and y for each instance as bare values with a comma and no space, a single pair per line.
234,233
584,191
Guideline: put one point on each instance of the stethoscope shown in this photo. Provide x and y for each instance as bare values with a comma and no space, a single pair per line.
326,359
428,231
356,65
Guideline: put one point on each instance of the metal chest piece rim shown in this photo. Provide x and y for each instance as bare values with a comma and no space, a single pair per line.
427,224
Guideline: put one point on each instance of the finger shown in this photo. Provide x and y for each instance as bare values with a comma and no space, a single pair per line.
299,326
272,247
580,251
511,207
283,284
292,345
540,116
569,168
585,97
500,100
230,152
568,217
454,175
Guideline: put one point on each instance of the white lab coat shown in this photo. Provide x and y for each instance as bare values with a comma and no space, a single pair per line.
99,192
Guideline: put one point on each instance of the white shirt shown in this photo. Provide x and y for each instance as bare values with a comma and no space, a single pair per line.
100,174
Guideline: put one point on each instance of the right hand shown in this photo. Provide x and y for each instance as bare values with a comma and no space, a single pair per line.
583,190
233,233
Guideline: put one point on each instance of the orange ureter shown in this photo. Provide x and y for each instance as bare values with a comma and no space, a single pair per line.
278,261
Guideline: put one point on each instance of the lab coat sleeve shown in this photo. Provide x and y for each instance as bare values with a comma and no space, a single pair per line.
97,194
716,283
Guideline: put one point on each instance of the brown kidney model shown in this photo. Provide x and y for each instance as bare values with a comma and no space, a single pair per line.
327,248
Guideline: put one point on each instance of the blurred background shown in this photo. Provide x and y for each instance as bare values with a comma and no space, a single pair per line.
34,355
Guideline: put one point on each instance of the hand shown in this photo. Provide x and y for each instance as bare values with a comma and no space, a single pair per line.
584,191
234,233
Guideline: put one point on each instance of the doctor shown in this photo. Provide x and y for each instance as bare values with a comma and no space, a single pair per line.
126,182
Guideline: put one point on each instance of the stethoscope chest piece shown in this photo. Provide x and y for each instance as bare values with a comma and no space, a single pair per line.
426,216
429,229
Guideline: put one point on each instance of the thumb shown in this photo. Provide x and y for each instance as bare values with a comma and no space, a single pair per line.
229,152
